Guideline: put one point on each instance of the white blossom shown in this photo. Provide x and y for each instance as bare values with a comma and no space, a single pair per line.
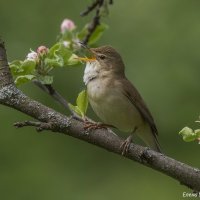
66,43
32,56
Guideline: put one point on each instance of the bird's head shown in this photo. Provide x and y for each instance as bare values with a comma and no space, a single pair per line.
106,57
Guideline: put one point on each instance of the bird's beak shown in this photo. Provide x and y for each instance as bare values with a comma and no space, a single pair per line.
85,59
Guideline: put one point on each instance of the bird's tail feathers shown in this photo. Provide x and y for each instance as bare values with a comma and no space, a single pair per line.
149,138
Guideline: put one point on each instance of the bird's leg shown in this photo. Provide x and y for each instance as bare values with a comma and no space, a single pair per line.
89,125
126,144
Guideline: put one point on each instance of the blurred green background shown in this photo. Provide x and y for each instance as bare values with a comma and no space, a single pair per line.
160,45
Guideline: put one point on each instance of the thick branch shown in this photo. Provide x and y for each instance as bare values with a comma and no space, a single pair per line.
51,120
5,75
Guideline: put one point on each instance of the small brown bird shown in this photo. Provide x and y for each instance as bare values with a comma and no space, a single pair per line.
115,100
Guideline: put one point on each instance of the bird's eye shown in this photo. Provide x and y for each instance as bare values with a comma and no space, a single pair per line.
102,57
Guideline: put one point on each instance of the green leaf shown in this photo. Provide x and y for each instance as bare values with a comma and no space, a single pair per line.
81,35
58,55
52,59
15,67
73,60
67,35
197,132
75,109
28,66
23,79
47,80
188,134
25,67
54,62
186,130
82,102
52,50
65,53
22,71
96,35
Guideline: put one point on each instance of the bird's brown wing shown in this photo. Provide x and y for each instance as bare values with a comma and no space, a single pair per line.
133,95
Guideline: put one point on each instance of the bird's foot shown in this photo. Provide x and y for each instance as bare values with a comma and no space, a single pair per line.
126,144
88,125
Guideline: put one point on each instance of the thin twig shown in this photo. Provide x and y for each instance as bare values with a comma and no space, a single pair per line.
26,123
89,8
40,126
53,93
96,19
91,28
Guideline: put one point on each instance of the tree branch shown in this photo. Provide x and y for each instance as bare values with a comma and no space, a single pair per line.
40,126
49,89
49,119
5,75
96,19
90,8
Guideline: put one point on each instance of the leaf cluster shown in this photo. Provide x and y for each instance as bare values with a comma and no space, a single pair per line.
64,53
189,134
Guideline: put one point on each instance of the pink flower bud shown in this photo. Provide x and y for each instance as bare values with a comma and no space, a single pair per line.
32,56
42,50
67,25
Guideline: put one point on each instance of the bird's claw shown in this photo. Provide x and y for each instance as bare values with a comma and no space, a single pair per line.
88,125
94,125
125,145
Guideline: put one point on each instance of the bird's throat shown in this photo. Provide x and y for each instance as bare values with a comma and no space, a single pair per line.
91,72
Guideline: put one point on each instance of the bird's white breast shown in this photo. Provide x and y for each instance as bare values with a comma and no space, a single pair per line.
91,71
